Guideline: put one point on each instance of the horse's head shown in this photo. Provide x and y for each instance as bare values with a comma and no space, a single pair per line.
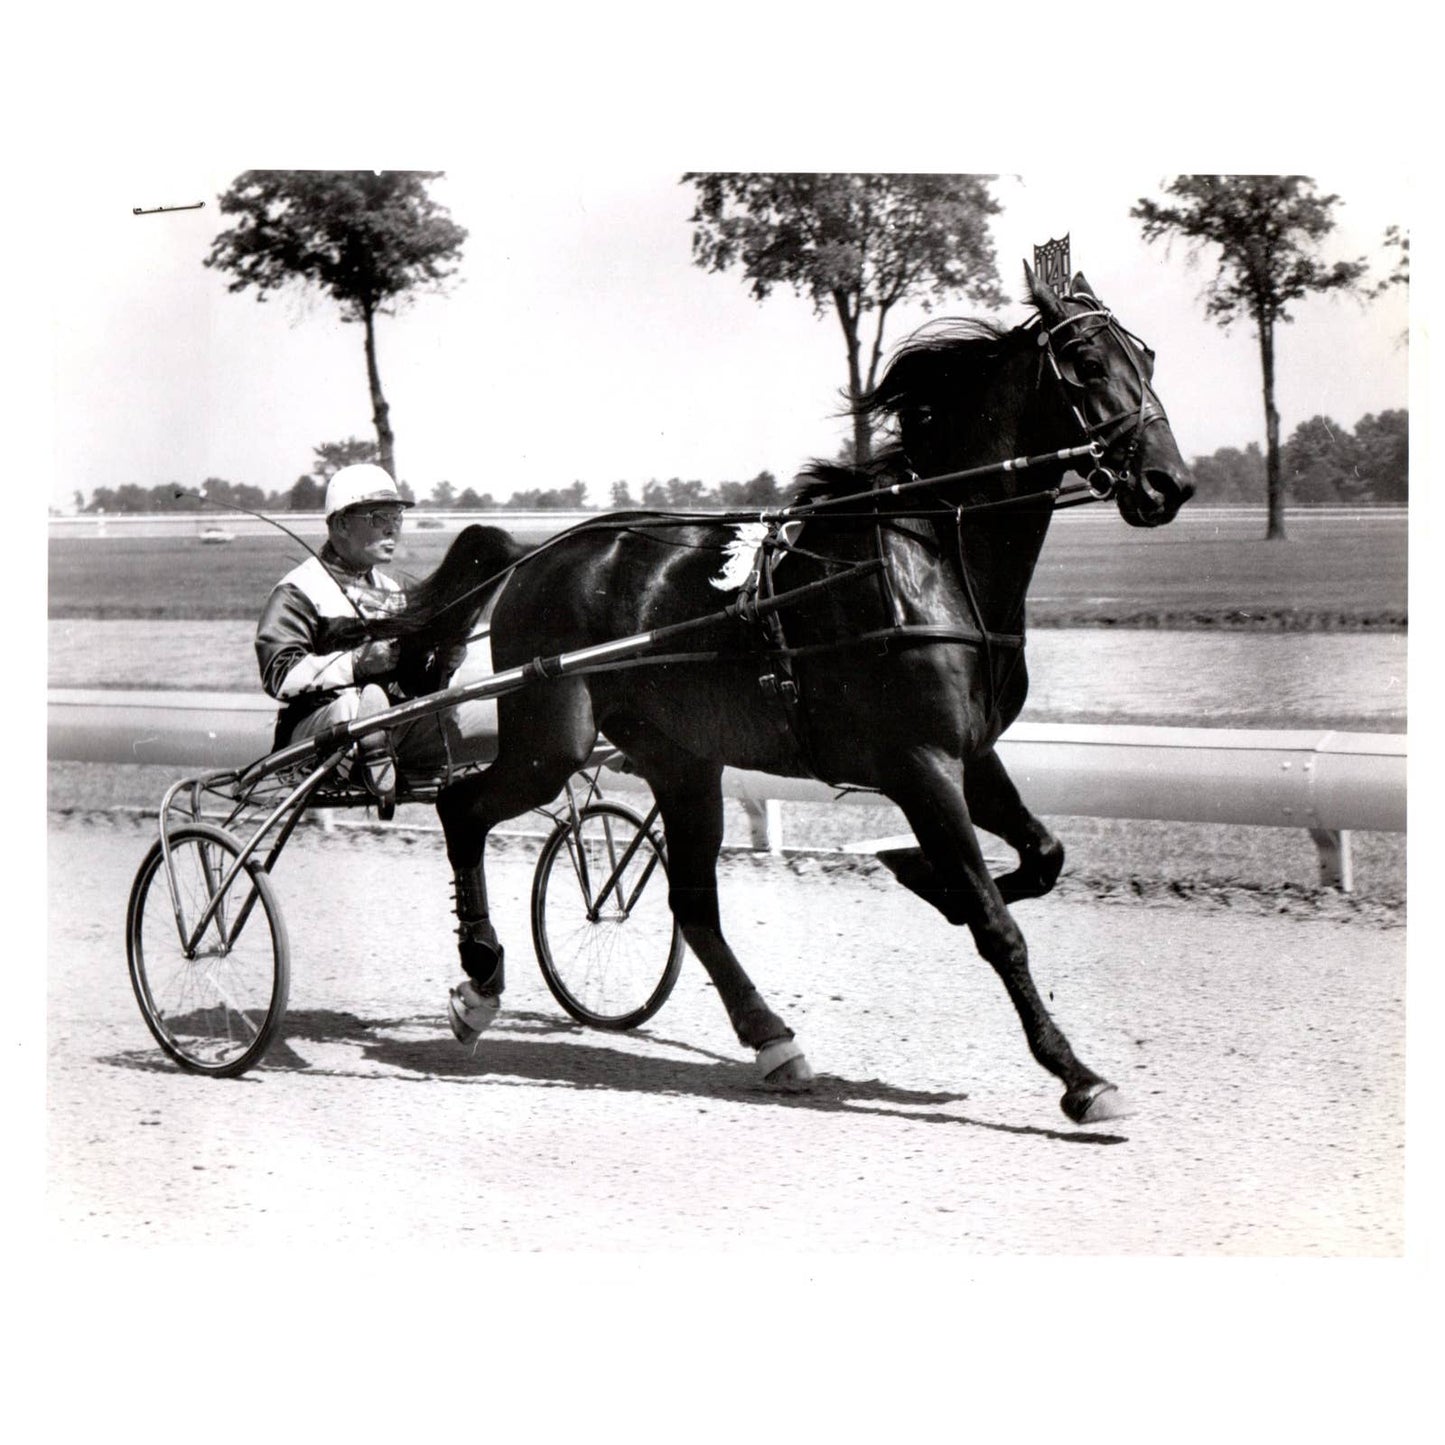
1103,376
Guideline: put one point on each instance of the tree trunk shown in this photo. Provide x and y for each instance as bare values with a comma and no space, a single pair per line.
862,433
380,411
1274,482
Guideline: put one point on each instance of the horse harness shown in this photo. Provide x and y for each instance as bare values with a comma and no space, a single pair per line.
778,680
759,604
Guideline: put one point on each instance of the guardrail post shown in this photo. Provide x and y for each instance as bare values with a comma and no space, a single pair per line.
765,822
1337,866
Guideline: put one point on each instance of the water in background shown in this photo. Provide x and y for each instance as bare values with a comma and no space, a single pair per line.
1224,679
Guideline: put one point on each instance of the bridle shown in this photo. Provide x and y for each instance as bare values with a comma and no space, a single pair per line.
1102,479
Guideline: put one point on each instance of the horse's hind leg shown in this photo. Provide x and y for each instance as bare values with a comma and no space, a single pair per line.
689,793
929,789
536,756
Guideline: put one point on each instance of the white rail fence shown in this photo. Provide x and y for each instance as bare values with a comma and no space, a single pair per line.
1329,783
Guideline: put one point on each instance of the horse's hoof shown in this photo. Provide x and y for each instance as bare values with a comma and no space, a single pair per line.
1095,1104
784,1068
470,1011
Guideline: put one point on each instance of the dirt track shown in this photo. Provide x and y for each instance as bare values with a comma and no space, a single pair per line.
1264,1055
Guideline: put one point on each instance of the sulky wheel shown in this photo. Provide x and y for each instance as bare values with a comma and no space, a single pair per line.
214,1003
605,936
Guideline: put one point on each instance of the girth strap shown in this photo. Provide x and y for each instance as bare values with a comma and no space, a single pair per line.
776,680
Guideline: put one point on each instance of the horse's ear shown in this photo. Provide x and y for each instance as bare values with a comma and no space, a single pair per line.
1082,287
1050,307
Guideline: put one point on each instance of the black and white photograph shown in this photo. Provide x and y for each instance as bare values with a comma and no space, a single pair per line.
782,723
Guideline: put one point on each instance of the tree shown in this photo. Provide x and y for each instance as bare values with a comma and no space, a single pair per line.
1229,475
369,239
332,456
762,491
1382,444
553,499
684,496
1267,229
306,495
1320,462
1399,241
444,496
235,494
859,244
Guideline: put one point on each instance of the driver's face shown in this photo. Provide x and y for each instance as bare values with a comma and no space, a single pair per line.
366,536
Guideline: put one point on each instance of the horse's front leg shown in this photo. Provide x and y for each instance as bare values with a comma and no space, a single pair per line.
929,786
994,805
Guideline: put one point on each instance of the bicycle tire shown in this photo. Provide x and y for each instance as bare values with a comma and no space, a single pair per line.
216,1012
602,964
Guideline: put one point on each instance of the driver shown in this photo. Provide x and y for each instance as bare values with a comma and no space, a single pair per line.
320,685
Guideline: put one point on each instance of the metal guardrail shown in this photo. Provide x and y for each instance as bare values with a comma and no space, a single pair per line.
1329,783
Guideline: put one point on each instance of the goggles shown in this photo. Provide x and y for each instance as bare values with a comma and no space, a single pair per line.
382,519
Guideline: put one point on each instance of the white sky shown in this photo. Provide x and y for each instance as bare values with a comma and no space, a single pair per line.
580,342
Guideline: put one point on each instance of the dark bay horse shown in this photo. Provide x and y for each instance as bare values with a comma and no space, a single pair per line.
900,676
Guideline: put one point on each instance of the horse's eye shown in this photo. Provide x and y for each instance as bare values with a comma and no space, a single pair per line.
1090,367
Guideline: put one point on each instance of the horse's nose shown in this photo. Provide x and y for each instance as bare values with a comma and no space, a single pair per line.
1167,491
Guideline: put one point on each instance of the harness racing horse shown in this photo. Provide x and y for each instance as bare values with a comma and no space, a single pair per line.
896,668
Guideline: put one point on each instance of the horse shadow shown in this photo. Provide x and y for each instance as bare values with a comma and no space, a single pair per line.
540,1049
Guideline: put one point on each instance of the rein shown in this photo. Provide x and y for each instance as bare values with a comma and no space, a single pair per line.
1059,497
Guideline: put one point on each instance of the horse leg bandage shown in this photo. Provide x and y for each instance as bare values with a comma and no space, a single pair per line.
481,951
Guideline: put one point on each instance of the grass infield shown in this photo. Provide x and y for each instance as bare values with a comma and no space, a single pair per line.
1204,570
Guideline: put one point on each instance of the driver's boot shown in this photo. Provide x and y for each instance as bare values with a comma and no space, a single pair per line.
377,764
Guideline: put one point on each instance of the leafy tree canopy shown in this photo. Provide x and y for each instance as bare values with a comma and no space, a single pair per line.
873,239
367,238
1398,241
1323,462
1266,229
858,243
306,495
330,457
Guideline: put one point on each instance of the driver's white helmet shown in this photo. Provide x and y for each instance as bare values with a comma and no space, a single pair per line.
358,485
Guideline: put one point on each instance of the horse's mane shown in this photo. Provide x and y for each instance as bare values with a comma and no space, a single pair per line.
443,606
961,352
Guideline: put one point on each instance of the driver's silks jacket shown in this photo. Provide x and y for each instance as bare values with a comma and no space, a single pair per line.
300,664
